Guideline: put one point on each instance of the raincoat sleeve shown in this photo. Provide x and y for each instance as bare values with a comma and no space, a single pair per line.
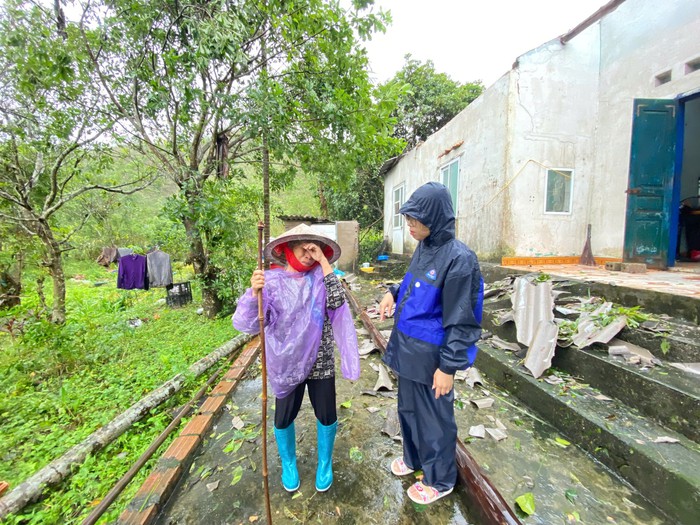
394,290
344,332
462,297
245,318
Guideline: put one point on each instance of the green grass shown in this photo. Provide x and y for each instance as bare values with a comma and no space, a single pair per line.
60,384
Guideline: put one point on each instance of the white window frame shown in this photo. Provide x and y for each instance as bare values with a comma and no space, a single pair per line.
570,204
397,218
445,170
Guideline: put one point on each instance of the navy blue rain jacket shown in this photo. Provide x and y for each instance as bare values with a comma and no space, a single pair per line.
439,302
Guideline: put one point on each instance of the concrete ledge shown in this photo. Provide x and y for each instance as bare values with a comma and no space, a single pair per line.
666,394
666,474
671,399
683,307
553,259
159,485
683,342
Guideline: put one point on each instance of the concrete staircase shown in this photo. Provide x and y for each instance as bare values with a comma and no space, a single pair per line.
622,414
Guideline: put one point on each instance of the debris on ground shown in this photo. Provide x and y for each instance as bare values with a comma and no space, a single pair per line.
484,402
631,353
383,381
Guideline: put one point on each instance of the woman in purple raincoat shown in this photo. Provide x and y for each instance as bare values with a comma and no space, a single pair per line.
305,312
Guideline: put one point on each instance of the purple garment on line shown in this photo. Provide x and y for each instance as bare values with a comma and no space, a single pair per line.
294,304
132,272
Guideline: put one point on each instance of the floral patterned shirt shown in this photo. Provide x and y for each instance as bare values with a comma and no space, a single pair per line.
324,367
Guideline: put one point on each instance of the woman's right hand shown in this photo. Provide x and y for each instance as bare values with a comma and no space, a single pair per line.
385,306
257,281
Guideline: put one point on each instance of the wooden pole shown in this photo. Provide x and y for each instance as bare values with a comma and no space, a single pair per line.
112,495
261,320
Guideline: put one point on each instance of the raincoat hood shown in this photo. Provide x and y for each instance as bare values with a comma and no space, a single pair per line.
431,204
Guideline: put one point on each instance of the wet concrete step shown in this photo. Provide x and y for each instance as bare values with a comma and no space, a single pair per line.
669,395
679,342
668,474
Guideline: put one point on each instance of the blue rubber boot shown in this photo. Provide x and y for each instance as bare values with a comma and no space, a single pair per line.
286,445
324,470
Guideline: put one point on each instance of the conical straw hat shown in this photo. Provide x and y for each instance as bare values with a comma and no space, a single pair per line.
273,250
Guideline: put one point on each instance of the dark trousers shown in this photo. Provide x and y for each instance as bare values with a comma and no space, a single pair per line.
322,396
429,433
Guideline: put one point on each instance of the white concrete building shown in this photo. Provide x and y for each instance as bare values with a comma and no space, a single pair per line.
600,126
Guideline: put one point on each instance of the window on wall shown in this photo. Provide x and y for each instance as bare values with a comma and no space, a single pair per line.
559,191
450,178
399,193
662,78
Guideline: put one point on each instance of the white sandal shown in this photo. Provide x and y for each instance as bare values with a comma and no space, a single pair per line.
399,468
425,495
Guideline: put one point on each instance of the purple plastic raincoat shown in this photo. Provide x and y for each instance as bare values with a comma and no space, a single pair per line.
294,306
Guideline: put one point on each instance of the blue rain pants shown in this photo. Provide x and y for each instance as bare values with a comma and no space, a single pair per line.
429,433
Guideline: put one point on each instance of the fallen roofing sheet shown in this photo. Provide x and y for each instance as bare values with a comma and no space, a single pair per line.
532,304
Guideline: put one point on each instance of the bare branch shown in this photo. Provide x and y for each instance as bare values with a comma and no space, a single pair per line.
11,198
119,188
75,230
134,119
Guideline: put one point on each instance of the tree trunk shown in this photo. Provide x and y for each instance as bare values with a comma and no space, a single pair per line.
59,469
211,303
10,290
323,203
54,263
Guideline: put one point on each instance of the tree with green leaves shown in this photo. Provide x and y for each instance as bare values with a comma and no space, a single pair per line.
426,101
207,88
430,100
54,145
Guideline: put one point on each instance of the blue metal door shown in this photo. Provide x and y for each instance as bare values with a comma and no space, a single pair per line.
650,190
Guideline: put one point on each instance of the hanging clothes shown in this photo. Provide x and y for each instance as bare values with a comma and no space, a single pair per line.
133,273
108,256
121,252
160,272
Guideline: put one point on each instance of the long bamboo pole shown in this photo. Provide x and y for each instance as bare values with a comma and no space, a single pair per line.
114,493
261,320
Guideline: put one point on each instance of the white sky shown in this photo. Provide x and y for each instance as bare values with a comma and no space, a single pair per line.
470,39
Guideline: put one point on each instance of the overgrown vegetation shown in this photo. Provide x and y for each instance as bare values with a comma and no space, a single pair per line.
61,383
372,244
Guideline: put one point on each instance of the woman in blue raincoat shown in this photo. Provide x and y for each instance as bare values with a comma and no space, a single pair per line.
436,325
305,312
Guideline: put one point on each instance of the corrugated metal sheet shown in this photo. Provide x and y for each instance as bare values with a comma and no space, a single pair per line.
532,304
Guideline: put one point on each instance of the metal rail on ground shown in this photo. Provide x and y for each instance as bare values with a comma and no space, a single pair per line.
113,494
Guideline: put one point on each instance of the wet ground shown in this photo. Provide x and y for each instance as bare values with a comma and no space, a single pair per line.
225,484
